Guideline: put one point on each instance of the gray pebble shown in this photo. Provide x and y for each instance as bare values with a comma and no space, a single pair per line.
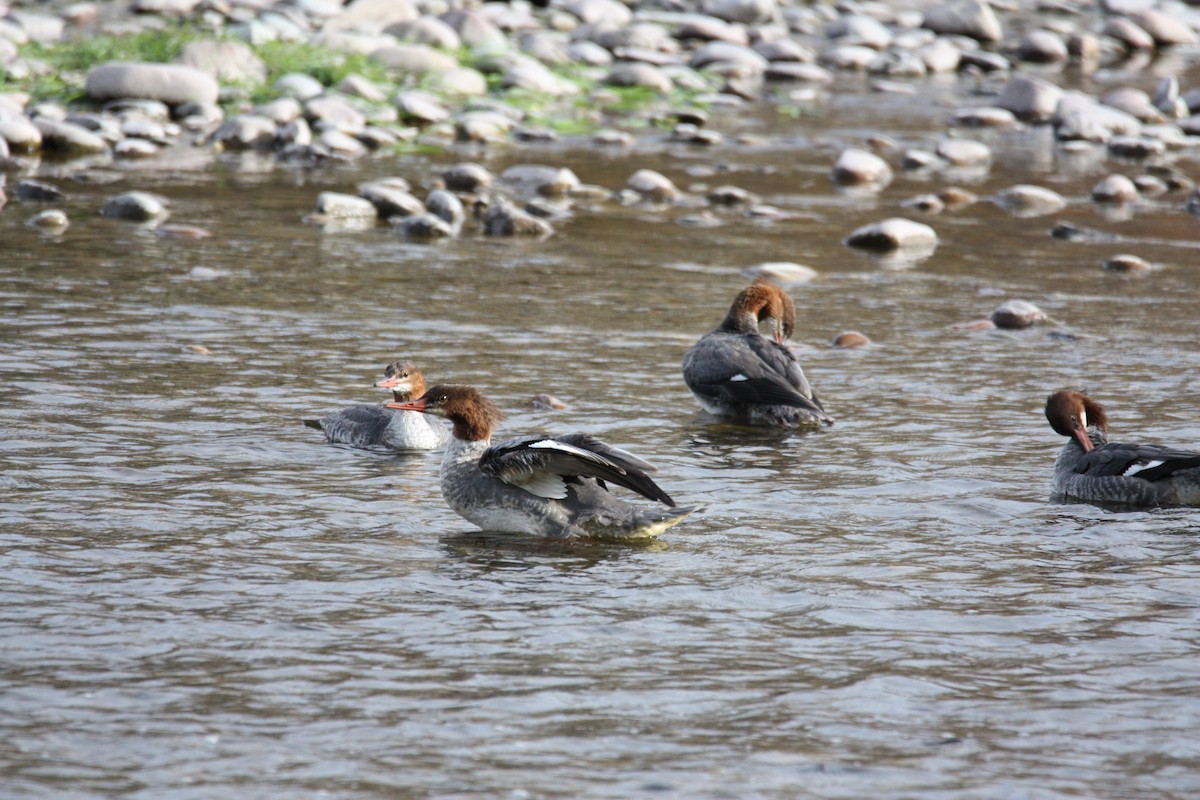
50,220
653,186
66,137
425,226
134,207
447,206
245,132
391,201
1016,314
973,18
35,191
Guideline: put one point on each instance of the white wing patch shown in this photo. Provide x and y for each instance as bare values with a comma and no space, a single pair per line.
1134,469
543,484
738,378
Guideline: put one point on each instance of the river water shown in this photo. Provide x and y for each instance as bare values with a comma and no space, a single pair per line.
201,598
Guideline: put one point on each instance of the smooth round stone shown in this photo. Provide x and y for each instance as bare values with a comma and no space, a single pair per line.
924,203
913,160
425,226
984,61
1128,33
358,86
861,30
590,53
21,135
1024,200
855,167
505,219
1016,314
342,144
181,232
298,86
66,137
414,59
1030,98
1135,147
482,126
940,56
1128,264
849,57
466,177
227,61
134,148
245,132
653,186
373,15
41,28
850,340
475,29
420,107
731,196
639,74
332,112
52,219
593,11
797,71
784,50
281,111
426,30
1081,117
983,117
462,81
1166,29
296,132
546,181
1115,189
748,12
391,201
35,191
134,207
954,197
1133,102
613,138
1042,47
345,206
972,18
536,77
784,272
169,83
964,152
892,234
708,29
725,52
446,206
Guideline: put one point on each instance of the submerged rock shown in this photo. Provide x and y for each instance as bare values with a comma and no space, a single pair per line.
892,234
135,207
1016,314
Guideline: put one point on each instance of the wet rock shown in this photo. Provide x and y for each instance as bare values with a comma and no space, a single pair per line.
298,86
849,340
1128,33
1151,186
545,180
413,59
226,61
66,137
972,18
134,207
467,177
924,203
748,12
336,205
1016,314
783,272
1024,200
446,206
983,117
653,186
1080,117
330,112
892,234
390,200
35,191
955,197
168,83
134,148
548,402
426,226
245,132
1042,47
420,107
1164,28
964,152
1128,264
482,126
1030,98
1115,189
731,196
855,167
639,74
1135,147
52,220
505,219
460,82
21,134
181,232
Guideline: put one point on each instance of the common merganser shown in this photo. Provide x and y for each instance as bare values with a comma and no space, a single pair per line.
371,426
542,485
1089,467
736,372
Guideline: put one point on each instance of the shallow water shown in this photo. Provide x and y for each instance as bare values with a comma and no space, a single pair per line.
201,598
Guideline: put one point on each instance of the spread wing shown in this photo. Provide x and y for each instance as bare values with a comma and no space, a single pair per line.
543,465
748,369
1148,462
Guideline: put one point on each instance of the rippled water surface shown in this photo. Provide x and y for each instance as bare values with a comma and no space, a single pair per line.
201,598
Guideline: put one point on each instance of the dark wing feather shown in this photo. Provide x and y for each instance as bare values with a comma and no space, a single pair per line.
1116,458
748,369
517,461
361,425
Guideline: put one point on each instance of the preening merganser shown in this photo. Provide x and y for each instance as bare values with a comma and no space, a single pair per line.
736,372
371,426
1089,467
542,485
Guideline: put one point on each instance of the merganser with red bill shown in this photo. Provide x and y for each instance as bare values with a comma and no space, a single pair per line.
737,373
542,485
1089,467
377,426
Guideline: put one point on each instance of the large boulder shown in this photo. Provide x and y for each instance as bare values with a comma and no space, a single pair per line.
168,83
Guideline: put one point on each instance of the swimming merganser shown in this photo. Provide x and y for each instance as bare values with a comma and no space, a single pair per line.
734,371
1089,467
370,426
542,485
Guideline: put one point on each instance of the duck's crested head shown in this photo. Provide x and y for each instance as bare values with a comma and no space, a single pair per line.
762,300
472,414
1071,413
404,379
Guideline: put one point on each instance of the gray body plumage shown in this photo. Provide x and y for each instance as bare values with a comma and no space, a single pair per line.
1127,474
749,378
373,426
